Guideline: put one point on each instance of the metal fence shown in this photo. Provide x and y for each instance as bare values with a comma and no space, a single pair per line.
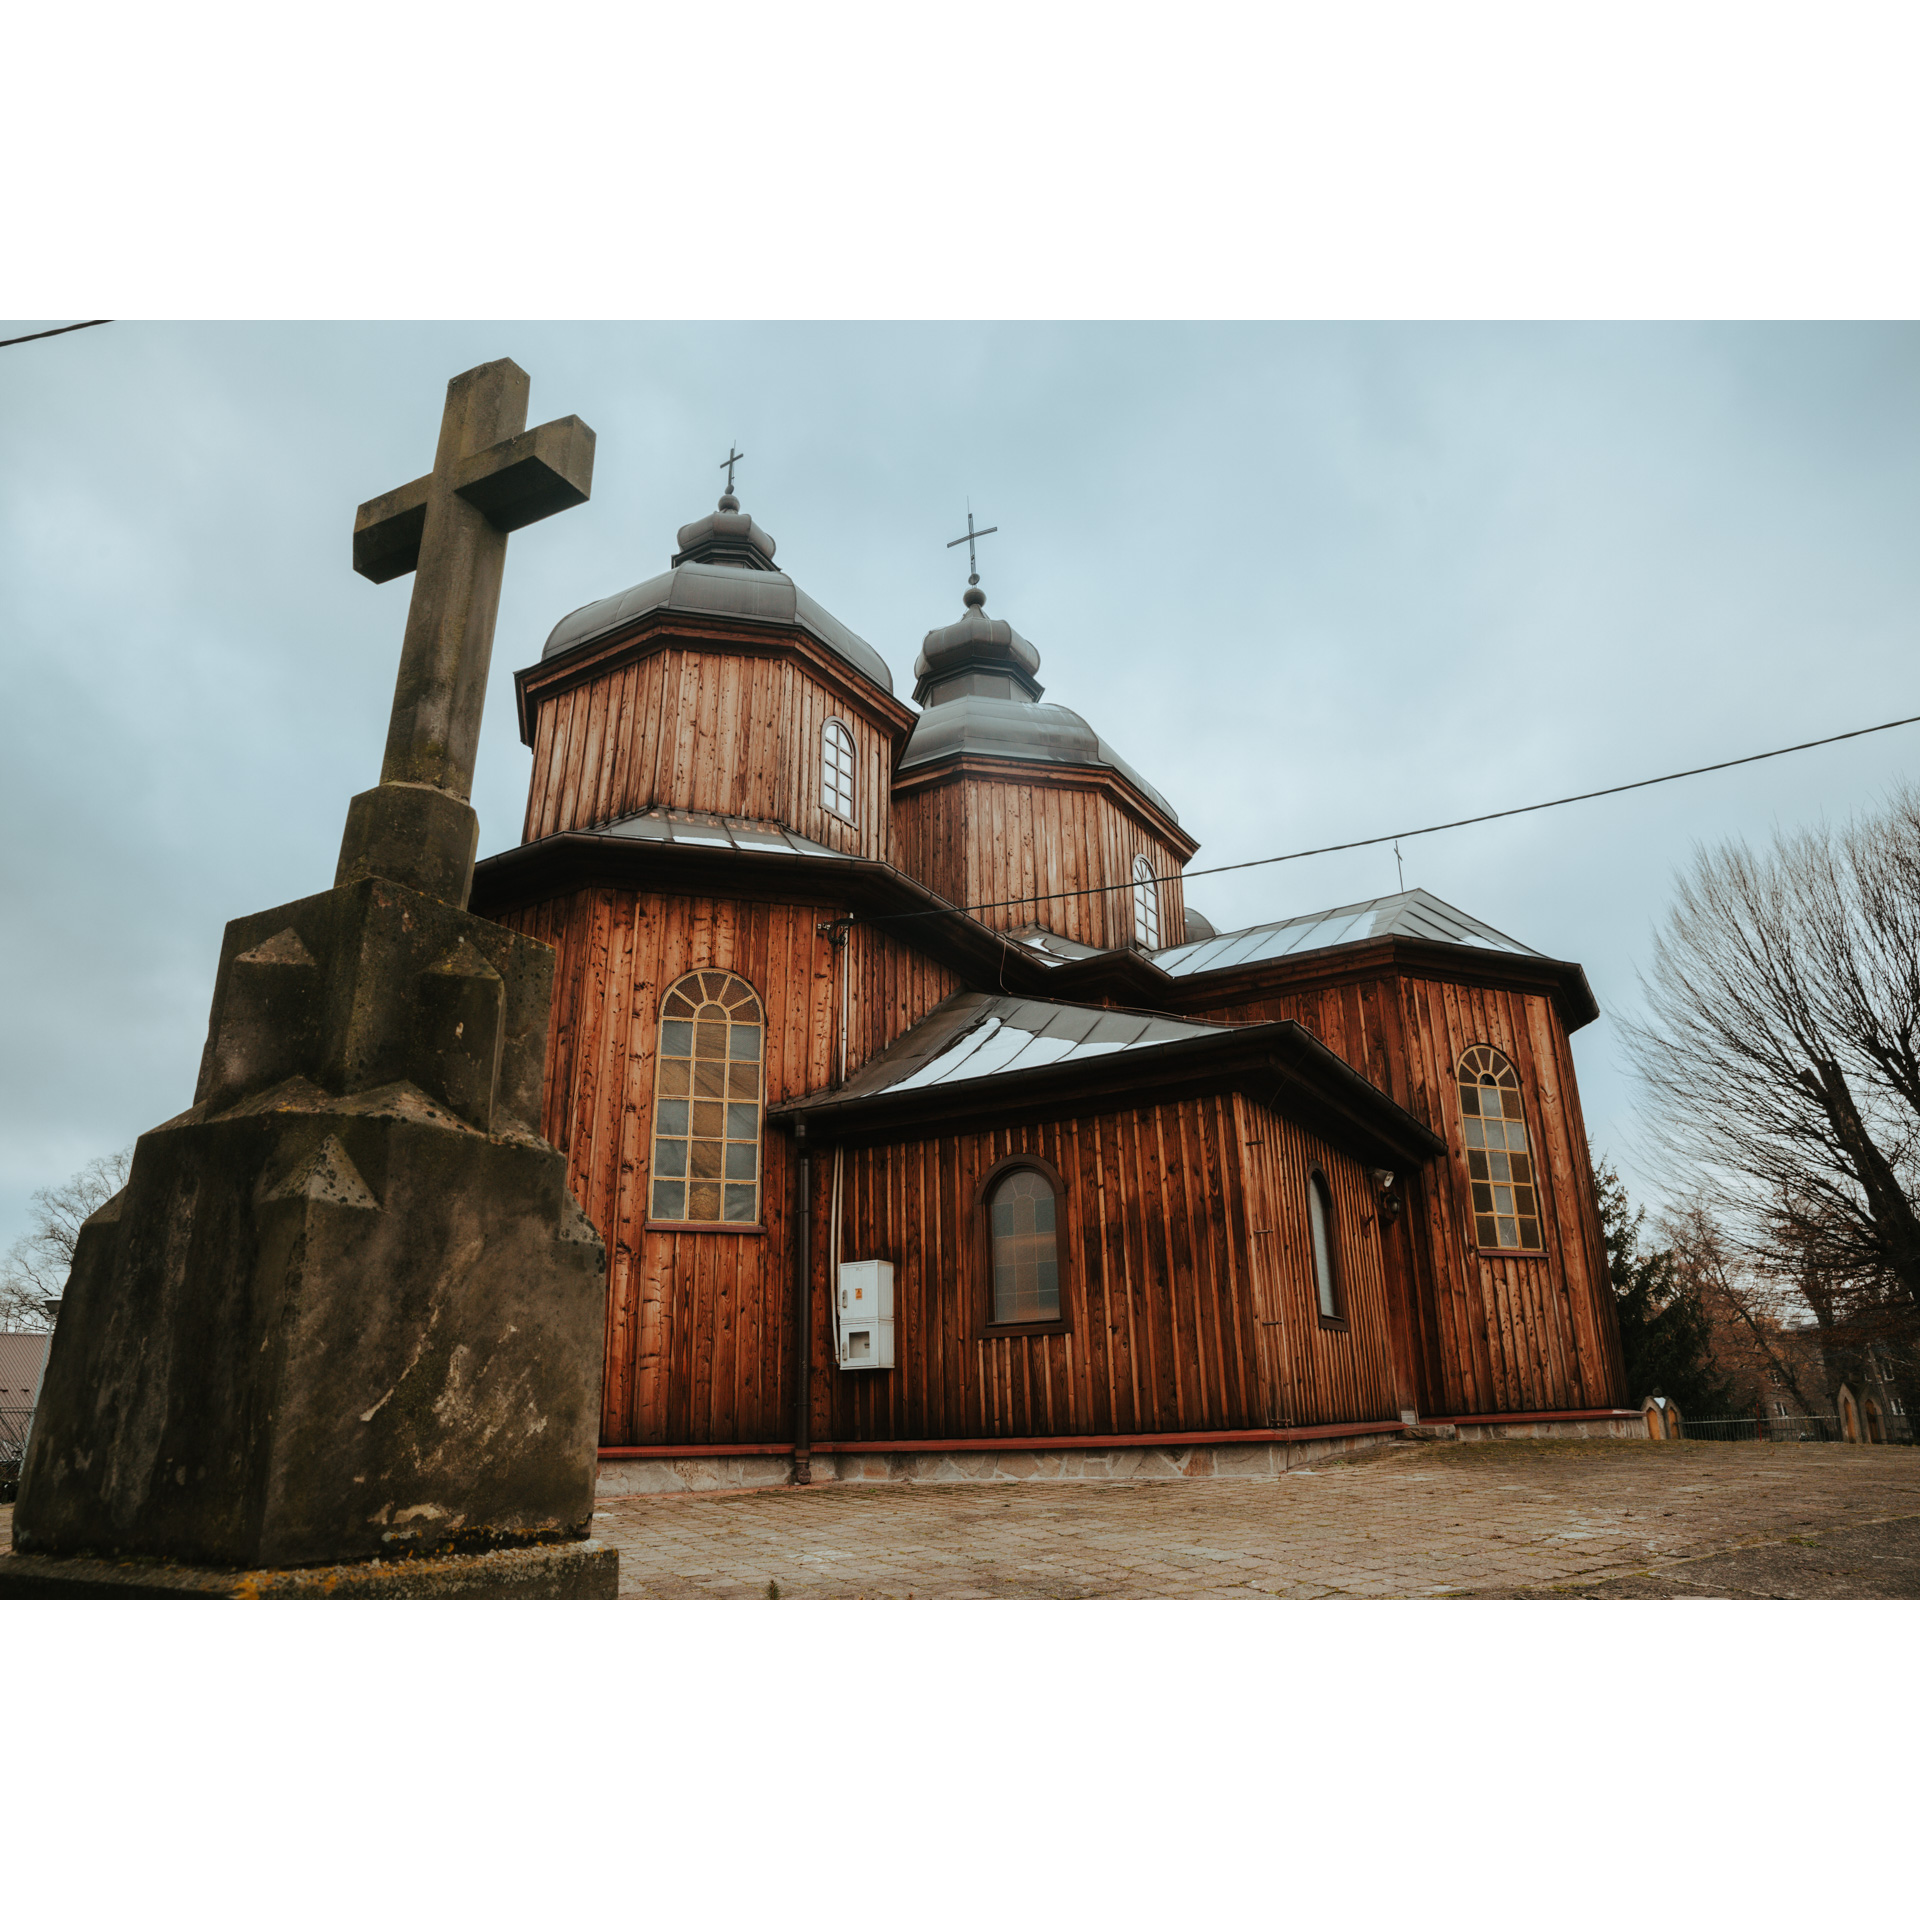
13,1447
1816,1426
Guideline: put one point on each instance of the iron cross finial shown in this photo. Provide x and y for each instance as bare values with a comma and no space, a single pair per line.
733,454
967,539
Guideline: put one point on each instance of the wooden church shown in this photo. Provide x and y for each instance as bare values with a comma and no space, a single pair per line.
1066,1181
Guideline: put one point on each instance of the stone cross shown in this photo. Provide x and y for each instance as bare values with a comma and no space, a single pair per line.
491,476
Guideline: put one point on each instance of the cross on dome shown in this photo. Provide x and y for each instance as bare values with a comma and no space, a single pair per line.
973,597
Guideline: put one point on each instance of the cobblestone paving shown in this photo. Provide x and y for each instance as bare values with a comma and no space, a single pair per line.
1593,1519
1523,1519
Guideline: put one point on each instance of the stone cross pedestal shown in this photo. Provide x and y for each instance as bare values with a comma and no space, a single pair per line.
342,1331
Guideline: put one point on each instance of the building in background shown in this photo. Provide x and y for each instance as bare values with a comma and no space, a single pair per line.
23,1358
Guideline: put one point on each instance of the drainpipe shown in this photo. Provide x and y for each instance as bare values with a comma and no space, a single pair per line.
803,1315
839,935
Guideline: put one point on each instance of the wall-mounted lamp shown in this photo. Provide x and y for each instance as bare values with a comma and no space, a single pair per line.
1389,1193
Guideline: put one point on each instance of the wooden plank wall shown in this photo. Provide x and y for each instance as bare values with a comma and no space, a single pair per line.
1318,1373
998,837
698,1330
1495,1334
1157,1249
730,733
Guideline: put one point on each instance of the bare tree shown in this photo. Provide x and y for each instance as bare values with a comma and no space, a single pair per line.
33,1272
1757,1303
1781,1052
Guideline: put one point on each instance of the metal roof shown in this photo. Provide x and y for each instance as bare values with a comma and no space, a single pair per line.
977,1057
22,1356
675,826
1414,915
1052,949
732,593
1017,729
972,1036
975,641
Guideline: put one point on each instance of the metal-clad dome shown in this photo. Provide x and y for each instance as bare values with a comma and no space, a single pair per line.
726,538
947,666
977,681
724,567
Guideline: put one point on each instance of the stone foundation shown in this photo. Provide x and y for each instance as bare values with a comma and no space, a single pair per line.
723,1472
1621,1427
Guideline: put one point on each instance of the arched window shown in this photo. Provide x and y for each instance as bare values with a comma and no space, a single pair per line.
836,769
1146,903
706,1109
1021,1221
1506,1211
1320,1226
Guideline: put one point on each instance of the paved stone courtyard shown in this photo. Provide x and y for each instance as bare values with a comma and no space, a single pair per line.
1593,1519
1535,1519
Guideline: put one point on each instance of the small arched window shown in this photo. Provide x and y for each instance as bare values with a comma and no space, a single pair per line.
1506,1210
836,769
1146,903
1320,1228
1023,1226
706,1109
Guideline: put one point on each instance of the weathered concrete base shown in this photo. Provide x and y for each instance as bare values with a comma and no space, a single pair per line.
723,1472
573,1570
346,1306
1626,1427
719,1473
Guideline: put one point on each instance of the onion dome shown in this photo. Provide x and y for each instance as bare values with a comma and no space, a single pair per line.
977,681
977,656
724,568
726,538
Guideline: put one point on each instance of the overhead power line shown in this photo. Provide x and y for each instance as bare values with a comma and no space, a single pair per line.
1410,833
21,339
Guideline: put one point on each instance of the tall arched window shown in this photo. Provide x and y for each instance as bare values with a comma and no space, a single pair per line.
1146,903
836,769
706,1109
1320,1228
1022,1223
1506,1211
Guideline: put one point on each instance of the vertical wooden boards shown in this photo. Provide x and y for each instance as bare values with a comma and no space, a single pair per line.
1492,1333
731,732
894,985
1322,1373
1157,1276
696,1319
1040,839
699,1327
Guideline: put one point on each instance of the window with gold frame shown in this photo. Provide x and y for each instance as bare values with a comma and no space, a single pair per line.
707,1100
1500,1172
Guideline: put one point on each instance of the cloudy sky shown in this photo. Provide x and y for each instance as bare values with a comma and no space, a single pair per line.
1316,581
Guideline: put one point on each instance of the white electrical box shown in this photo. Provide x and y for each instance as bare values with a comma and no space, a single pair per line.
866,1313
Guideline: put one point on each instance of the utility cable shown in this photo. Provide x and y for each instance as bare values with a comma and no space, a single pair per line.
1408,833
21,339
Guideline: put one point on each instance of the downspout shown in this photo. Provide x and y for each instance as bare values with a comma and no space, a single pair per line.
841,936
803,1315
802,1248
